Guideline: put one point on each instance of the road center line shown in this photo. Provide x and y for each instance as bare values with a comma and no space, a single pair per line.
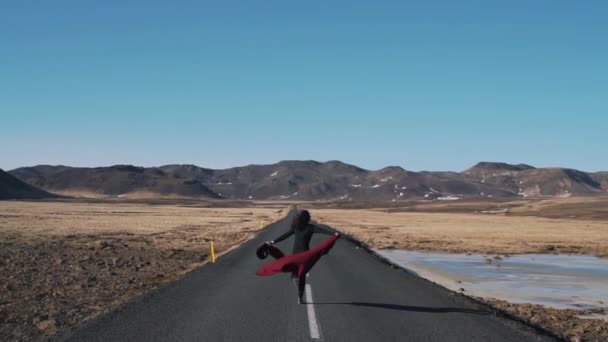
312,317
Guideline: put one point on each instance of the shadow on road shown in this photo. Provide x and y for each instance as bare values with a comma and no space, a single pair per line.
408,308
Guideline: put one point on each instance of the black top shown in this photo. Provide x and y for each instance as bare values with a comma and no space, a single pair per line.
302,237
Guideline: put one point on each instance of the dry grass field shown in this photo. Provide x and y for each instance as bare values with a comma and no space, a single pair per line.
579,208
492,228
568,225
62,263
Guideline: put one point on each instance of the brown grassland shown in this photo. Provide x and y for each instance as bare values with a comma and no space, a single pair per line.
574,225
62,263
568,225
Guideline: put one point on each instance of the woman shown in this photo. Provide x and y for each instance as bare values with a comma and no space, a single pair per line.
303,258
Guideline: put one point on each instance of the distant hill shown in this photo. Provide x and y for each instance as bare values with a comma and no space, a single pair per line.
602,179
13,188
117,180
311,180
526,180
490,168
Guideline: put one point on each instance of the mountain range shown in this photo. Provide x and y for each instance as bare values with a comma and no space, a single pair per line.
311,180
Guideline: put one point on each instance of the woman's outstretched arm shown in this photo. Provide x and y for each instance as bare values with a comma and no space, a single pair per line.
322,230
283,236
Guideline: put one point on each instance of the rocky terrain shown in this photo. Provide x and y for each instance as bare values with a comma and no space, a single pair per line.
14,188
568,324
62,263
312,181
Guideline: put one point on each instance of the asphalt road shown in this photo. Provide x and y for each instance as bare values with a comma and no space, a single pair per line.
356,298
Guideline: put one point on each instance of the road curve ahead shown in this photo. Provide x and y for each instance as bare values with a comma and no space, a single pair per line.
355,297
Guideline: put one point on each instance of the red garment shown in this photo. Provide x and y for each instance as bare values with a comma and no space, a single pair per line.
299,263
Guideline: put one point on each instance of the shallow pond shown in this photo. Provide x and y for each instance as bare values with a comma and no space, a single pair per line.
560,281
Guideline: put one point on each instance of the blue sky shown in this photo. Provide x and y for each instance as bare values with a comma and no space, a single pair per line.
427,85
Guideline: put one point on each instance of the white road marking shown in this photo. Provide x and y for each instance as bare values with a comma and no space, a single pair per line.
312,317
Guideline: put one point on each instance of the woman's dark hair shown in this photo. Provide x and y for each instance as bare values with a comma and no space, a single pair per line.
301,220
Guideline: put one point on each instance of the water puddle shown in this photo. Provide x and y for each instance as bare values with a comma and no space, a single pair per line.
559,281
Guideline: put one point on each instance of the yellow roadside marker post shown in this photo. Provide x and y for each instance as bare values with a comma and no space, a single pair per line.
212,254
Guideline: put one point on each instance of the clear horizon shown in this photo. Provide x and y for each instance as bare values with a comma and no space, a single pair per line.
437,86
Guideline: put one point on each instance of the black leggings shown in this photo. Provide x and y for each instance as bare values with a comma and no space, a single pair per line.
301,284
